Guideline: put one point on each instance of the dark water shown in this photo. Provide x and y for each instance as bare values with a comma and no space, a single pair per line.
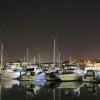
28,90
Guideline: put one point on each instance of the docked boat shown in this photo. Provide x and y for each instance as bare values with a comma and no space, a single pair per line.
71,73
9,73
51,75
91,76
52,72
33,72
91,73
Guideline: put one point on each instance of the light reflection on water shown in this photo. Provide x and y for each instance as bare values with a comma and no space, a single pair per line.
27,90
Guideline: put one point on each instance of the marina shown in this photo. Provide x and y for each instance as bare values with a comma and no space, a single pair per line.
49,50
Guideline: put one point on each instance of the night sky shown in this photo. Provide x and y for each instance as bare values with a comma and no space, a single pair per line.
34,24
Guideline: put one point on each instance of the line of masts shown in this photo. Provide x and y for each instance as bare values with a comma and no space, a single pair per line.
39,57
27,58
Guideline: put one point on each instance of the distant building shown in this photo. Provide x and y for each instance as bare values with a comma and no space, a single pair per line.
13,64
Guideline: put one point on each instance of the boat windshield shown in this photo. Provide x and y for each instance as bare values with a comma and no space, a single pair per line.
30,69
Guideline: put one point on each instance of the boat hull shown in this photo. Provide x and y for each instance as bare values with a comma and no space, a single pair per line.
11,75
51,77
70,77
26,77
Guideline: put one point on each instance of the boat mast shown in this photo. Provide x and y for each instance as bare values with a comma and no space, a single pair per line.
34,60
39,60
59,59
27,56
70,59
54,52
24,59
1,56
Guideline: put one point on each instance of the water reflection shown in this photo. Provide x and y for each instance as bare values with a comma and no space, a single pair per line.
91,88
63,89
48,90
32,87
0,89
51,84
70,88
8,84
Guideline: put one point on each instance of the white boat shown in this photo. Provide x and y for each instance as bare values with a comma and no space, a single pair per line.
33,72
71,73
51,76
9,73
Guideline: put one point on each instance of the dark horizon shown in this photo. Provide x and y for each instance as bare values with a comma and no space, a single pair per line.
35,24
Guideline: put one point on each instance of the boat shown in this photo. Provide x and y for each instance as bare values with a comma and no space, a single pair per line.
91,73
33,72
71,73
9,73
91,76
52,72
1,59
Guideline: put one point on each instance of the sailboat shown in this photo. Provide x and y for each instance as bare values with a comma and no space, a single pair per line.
9,73
51,73
33,72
